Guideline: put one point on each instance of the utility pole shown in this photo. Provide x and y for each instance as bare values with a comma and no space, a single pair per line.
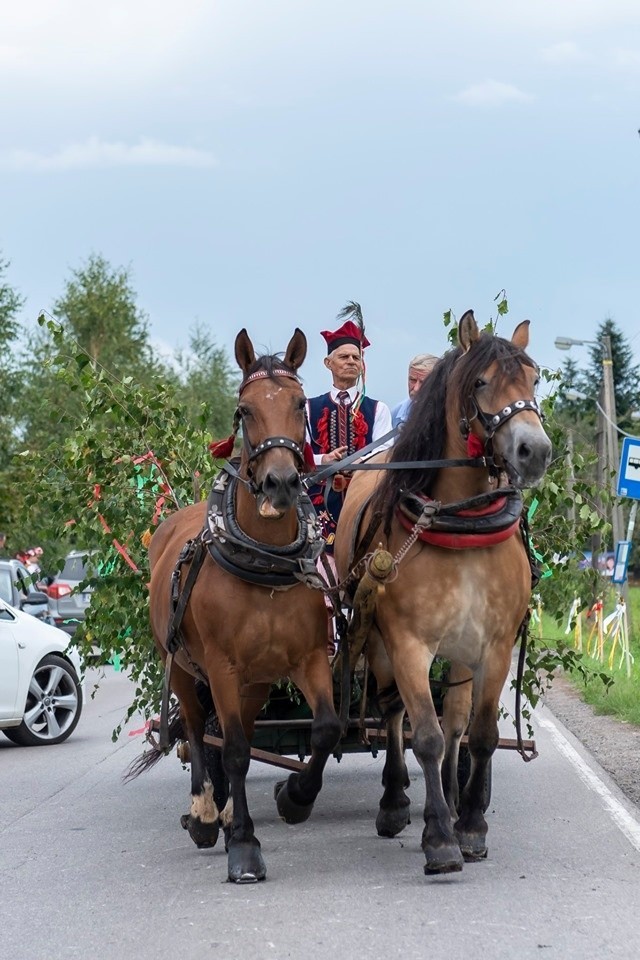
611,434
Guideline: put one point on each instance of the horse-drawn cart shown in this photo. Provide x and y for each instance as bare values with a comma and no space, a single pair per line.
246,607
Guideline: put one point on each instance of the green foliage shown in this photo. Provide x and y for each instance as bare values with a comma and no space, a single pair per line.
99,311
131,458
10,386
626,378
204,372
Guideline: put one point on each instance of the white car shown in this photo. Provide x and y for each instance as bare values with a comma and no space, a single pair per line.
40,689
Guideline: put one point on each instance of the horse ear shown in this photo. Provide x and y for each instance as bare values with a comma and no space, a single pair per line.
245,355
297,350
468,331
520,338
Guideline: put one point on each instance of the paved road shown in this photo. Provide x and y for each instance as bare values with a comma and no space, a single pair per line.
96,869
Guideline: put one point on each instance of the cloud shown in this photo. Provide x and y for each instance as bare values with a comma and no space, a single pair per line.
626,59
492,93
566,52
95,153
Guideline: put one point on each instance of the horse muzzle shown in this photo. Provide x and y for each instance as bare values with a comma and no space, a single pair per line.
527,455
278,492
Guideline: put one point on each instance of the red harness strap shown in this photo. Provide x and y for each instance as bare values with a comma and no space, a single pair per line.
463,541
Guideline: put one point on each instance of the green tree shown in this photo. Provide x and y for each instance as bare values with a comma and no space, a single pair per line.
98,309
206,384
102,323
626,375
10,391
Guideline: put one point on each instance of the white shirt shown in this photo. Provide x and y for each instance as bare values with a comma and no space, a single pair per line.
381,421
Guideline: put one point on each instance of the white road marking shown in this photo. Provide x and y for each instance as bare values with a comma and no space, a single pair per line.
624,820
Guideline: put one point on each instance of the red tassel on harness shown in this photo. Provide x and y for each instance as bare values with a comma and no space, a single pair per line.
309,462
475,446
222,449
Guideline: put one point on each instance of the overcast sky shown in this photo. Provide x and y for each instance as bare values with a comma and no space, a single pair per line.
260,162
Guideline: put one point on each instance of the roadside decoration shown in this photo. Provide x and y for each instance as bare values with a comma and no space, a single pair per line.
616,626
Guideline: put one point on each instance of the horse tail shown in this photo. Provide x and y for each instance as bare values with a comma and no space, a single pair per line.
150,757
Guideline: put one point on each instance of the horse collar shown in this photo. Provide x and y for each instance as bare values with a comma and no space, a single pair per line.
255,562
480,521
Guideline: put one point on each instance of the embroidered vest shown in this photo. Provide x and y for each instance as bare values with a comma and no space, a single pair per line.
324,424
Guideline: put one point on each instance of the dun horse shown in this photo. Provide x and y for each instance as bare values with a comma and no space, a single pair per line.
249,618
463,587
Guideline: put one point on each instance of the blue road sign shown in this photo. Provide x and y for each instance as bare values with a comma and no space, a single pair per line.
623,551
629,476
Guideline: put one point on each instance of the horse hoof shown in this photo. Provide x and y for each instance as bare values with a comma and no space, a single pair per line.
474,850
389,823
440,860
473,844
203,834
245,863
289,811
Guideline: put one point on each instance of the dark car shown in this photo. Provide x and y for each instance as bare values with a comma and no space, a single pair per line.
67,603
18,591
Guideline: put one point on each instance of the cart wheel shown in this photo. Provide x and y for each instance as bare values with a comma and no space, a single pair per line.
464,769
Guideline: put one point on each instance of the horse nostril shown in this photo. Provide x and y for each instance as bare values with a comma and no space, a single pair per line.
524,452
280,481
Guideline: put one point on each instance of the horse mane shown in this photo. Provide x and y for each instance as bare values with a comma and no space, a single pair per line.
423,436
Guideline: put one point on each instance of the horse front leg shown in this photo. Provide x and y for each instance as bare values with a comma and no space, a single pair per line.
456,711
471,827
439,844
202,821
244,858
296,796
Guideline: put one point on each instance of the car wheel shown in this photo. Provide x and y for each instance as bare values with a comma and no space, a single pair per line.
54,705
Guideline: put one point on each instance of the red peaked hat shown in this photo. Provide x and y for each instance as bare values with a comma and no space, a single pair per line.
349,332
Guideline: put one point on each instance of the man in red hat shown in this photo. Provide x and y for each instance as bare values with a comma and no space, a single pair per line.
344,420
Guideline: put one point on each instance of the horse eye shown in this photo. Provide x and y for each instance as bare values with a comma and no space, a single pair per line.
301,404
480,383
244,412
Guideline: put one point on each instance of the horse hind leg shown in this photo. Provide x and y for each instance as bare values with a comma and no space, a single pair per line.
394,812
296,796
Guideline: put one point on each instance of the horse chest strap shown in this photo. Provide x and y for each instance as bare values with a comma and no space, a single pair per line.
194,551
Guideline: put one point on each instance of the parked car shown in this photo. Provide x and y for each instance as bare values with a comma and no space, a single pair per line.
67,603
41,693
17,590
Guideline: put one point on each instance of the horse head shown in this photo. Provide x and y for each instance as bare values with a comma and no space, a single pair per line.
271,408
496,381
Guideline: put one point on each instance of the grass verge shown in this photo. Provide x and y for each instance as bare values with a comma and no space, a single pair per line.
622,698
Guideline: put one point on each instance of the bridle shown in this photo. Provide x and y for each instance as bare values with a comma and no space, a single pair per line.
270,443
493,421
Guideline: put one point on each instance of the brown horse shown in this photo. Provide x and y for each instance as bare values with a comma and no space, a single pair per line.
250,618
463,587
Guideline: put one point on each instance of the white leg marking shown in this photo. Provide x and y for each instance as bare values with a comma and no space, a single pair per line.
203,806
226,817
